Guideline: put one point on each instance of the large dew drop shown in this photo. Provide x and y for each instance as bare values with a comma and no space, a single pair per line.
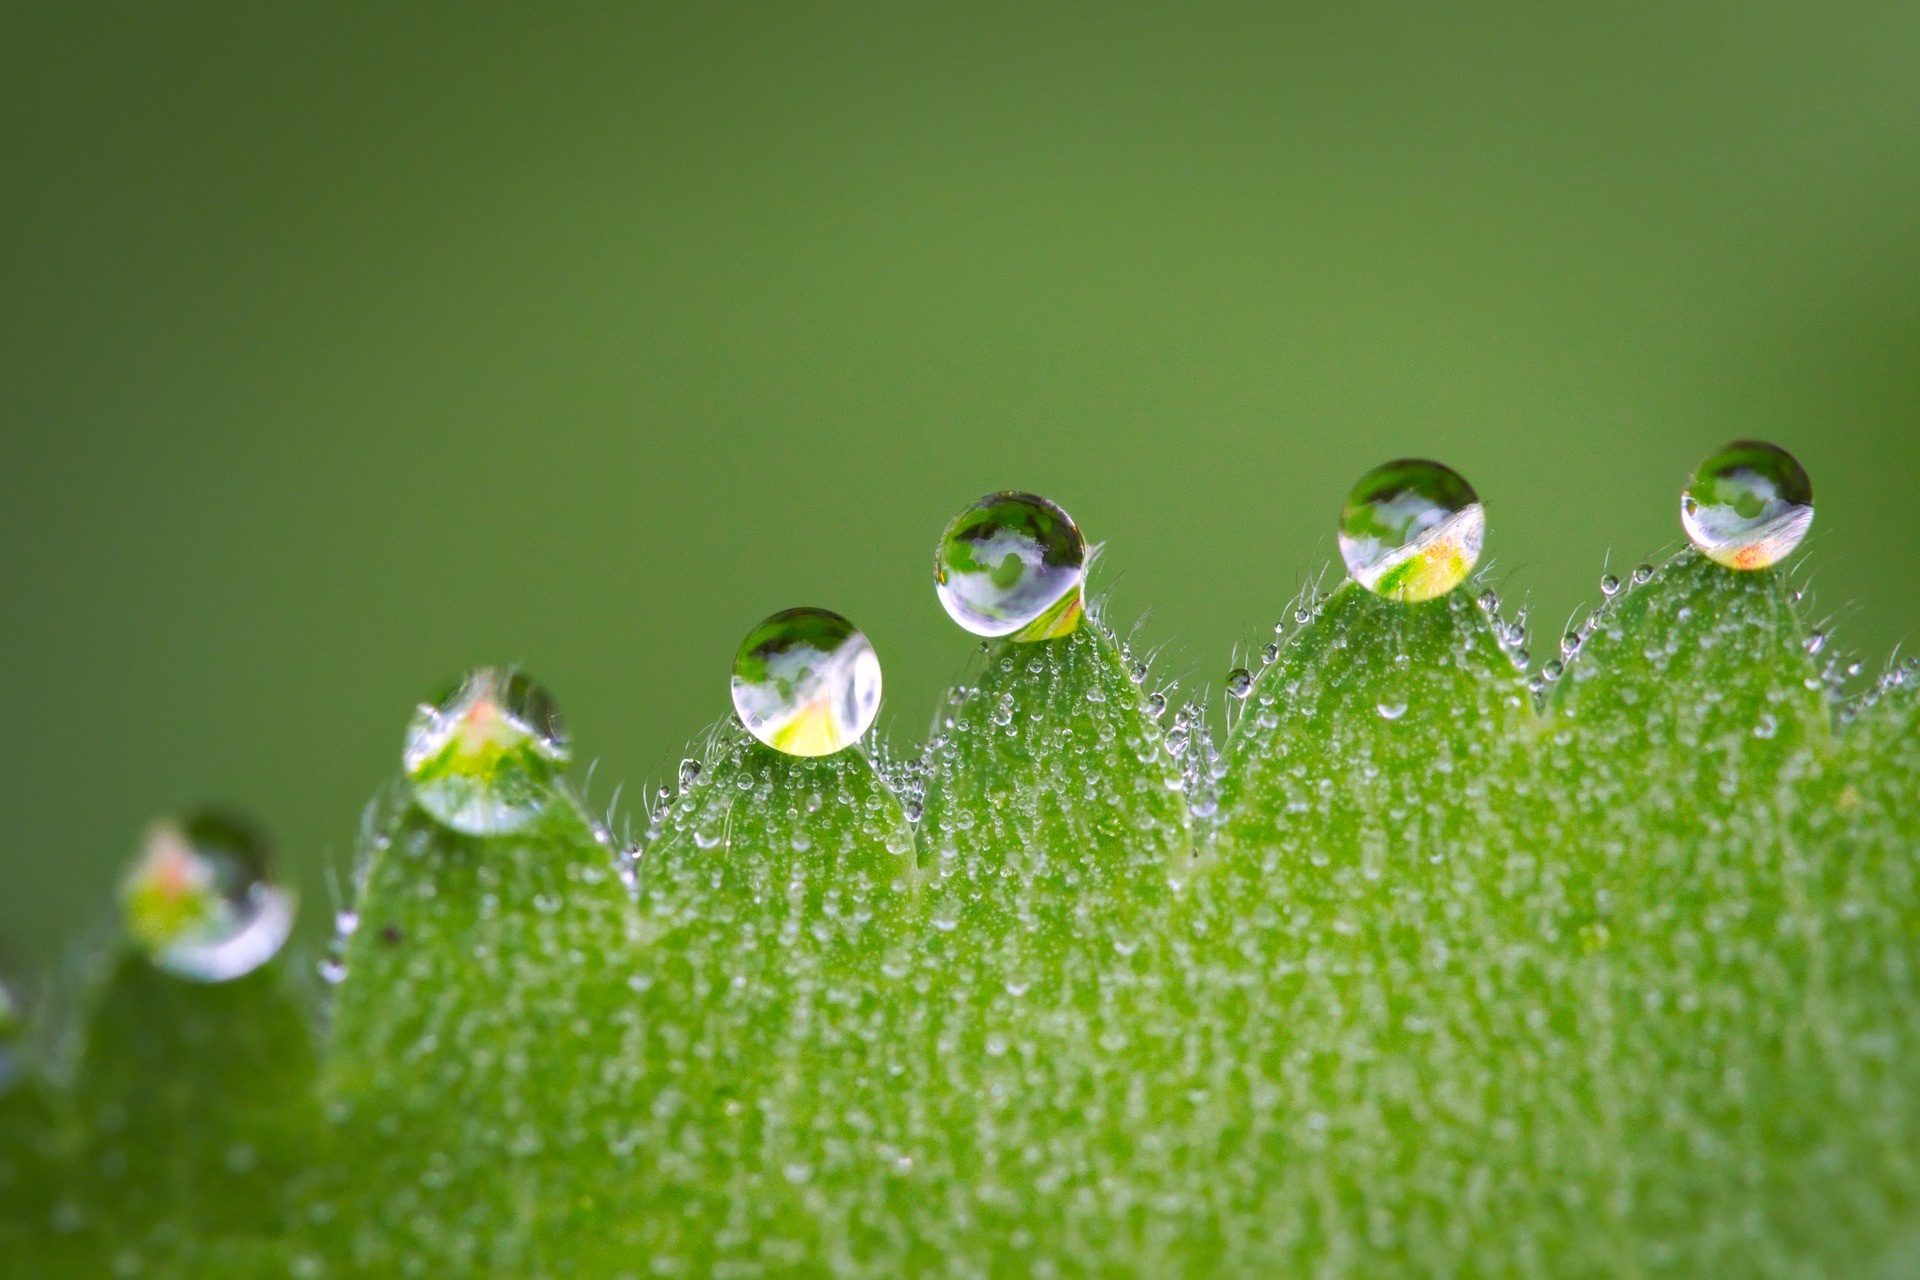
200,899
483,754
1411,530
1748,506
1012,564
806,682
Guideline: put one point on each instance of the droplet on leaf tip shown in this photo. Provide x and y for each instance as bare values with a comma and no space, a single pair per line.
806,682
1012,565
200,900
1748,505
1411,530
482,753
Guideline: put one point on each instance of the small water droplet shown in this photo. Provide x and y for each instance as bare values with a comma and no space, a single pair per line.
1748,506
483,753
332,972
806,682
345,922
1268,654
1411,530
1391,710
1570,644
1239,682
1137,672
1156,704
1609,585
1642,574
1766,726
1012,564
1816,641
200,899
1554,670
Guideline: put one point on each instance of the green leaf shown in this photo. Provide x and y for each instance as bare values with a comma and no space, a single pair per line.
483,1066
773,899
1419,976
194,1112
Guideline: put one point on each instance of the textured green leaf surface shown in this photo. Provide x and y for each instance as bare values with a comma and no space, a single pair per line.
1420,974
479,1085
193,1123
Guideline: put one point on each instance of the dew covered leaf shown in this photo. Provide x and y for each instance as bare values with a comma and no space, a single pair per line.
193,1122
774,896
481,1078
1418,976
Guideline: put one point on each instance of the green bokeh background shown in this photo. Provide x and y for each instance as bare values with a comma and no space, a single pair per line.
342,349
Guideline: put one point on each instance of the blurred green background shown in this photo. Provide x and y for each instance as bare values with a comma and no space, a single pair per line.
341,349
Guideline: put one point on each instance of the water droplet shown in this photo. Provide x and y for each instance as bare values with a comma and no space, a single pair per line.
1391,710
1816,641
1609,585
1554,670
806,682
1156,704
1012,565
200,900
1748,506
1411,530
1269,653
1239,682
1642,574
1570,644
482,754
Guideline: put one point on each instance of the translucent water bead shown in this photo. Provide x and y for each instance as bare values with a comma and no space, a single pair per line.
1012,564
806,682
483,753
1748,506
1411,530
201,901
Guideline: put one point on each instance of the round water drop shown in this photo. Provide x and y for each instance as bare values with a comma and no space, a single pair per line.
201,902
806,682
1609,585
1411,530
482,755
1239,682
1748,506
1012,564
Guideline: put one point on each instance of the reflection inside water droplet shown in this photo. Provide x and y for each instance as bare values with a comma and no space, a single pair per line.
806,682
1012,564
1239,682
1748,506
1391,710
483,754
1411,530
200,900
